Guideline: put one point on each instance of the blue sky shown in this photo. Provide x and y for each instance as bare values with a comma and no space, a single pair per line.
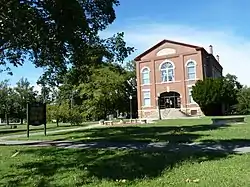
223,23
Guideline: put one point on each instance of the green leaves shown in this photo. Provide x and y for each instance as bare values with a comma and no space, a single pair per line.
243,98
106,91
54,33
214,94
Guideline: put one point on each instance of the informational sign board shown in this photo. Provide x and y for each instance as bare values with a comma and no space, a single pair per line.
36,115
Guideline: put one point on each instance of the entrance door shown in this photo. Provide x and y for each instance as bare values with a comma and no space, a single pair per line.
170,100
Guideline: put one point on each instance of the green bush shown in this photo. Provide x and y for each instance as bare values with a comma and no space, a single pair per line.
215,96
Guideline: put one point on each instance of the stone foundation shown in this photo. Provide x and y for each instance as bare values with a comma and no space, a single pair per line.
192,111
154,113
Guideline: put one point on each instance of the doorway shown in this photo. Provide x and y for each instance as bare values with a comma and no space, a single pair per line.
170,100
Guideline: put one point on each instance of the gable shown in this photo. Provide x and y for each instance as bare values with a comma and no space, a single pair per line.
166,47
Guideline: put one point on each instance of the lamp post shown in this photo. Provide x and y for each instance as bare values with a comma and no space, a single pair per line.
158,100
130,104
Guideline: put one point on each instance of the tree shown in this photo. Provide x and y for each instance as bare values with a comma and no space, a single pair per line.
25,94
132,85
58,112
105,92
232,79
215,96
8,103
55,34
243,98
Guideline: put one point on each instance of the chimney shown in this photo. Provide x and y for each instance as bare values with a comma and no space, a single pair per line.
218,58
211,49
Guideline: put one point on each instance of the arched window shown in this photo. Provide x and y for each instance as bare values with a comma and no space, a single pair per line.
145,76
191,70
167,72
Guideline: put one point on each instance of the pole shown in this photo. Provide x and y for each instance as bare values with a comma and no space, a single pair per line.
131,108
159,110
44,118
45,128
28,128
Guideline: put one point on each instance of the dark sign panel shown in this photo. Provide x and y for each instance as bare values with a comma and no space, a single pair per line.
36,114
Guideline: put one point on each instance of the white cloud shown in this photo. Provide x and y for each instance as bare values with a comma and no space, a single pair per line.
234,50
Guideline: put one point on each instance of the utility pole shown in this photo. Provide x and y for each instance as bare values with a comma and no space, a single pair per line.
130,103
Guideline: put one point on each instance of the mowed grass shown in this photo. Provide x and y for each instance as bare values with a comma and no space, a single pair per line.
22,129
51,166
107,168
172,131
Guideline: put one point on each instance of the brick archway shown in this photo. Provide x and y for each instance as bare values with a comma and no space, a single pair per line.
170,100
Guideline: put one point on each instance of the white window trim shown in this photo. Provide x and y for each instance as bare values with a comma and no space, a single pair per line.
145,67
143,91
195,66
166,61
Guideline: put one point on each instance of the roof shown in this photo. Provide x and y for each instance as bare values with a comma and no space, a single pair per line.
161,43
138,58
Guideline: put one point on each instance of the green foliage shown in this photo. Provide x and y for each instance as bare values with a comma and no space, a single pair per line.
50,29
75,115
215,96
25,94
8,105
243,98
58,35
63,112
63,38
106,91
59,112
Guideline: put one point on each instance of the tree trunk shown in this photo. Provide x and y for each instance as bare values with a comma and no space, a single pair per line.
7,119
21,121
57,122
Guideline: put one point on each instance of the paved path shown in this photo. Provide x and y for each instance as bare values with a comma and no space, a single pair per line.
236,147
49,132
204,147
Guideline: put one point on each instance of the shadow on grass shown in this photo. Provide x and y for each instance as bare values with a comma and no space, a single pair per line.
93,165
6,130
171,134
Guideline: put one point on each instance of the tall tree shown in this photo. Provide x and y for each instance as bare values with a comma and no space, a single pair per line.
132,85
26,94
106,91
58,33
8,99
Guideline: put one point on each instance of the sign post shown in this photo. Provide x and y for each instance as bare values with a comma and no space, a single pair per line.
36,115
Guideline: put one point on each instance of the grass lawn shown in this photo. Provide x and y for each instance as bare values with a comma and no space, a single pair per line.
51,166
173,131
22,129
108,168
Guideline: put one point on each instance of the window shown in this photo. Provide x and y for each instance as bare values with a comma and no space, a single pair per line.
191,70
190,98
145,76
167,72
146,98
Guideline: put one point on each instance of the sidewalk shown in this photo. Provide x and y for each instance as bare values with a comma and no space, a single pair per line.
242,147
159,146
49,132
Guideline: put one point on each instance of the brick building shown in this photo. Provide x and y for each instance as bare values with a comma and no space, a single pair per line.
166,73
